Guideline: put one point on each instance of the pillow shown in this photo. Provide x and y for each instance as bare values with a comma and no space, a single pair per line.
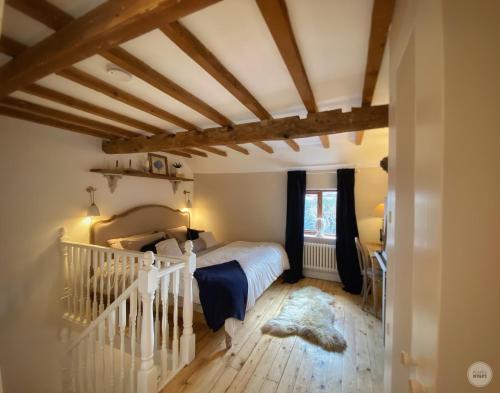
179,233
132,237
116,245
193,234
209,239
137,243
151,246
168,247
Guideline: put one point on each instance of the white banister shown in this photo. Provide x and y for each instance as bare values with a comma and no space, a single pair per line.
147,378
188,337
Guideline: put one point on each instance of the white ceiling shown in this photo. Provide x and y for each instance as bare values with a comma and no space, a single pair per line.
332,36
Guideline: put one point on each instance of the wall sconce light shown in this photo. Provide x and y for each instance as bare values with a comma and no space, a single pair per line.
92,210
189,206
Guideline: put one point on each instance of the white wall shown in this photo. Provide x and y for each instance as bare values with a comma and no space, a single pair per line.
252,206
44,173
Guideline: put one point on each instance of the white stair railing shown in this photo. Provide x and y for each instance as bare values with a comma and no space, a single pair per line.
124,311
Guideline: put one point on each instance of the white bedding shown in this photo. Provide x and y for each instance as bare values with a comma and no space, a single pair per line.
262,263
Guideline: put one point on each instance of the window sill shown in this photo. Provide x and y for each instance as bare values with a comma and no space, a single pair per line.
320,239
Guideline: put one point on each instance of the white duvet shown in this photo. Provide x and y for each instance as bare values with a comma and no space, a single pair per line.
262,263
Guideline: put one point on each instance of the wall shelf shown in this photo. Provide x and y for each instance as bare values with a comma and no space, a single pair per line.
112,175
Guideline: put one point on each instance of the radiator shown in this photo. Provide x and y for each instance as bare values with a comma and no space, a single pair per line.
319,261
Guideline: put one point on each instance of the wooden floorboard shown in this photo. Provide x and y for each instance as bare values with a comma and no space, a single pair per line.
260,363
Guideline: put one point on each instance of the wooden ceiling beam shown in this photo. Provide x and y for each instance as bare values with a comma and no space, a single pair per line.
325,141
132,64
55,96
18,114
238,148
11,47
111,91
316,124
195,49
293,145
102,28
264,146
178,153
195,152
380,22
42,11
214,150
40,110
275,14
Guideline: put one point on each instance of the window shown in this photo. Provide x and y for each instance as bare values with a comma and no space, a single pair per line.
320,205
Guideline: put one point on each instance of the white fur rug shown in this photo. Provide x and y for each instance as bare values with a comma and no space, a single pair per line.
308,313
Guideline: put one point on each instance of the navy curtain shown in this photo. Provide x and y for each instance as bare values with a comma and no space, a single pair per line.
294,242
347,230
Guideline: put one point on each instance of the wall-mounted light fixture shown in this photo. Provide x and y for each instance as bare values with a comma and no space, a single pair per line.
92,210
189,206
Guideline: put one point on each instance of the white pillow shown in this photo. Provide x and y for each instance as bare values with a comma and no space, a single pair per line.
168,247
179,233
208,238
131,237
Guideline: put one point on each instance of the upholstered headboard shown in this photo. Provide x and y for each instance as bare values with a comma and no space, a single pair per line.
139,219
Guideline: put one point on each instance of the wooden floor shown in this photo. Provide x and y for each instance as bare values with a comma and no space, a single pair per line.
261,363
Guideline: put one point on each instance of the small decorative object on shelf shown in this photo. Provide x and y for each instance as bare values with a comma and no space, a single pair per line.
177,169
145,164
158,164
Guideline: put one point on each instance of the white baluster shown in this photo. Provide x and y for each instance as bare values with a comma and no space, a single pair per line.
133,329
89,364
72,257
165,283
82,261
95,262
122,323
188,337
88,311
108,274
81,367
116,266
148,283
63,237
101,282
175,340
111,349
157,320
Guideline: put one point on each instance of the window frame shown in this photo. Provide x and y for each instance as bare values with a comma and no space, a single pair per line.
319,209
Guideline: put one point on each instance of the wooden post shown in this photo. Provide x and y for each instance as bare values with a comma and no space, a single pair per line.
147,376
188,337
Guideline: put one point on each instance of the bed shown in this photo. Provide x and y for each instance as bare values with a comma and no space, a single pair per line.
262,262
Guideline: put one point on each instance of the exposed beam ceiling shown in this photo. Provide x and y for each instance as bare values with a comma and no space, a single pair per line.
380,23
316,124
55,96
178,153
132,64
111,91
18,114
195,152
238,148
325,141
195,49
13,48
214,150
275,14
42,11
104,27
293,145
264,146
35,109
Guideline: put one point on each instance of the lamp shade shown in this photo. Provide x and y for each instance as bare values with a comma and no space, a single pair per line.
93,211
379,210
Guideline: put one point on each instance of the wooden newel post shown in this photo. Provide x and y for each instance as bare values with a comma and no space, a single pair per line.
188,337
147,378
63,248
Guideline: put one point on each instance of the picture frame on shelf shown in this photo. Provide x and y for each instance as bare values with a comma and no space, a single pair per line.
158,164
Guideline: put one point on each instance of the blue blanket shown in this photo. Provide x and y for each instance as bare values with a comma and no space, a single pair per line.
223,292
